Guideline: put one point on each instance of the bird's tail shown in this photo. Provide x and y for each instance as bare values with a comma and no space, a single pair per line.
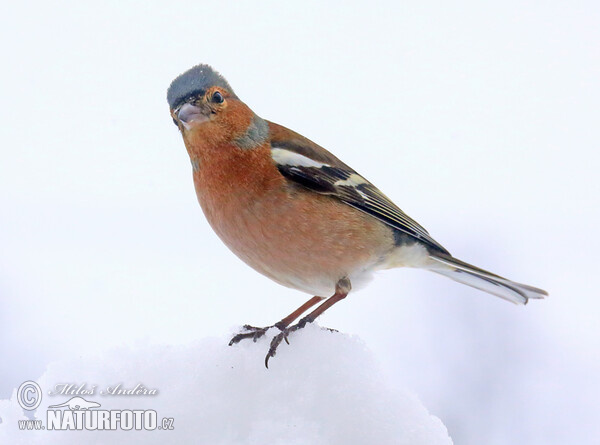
483,280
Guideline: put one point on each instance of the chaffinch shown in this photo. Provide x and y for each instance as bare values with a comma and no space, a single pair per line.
297,214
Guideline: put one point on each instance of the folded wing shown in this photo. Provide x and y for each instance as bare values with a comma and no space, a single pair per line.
306,163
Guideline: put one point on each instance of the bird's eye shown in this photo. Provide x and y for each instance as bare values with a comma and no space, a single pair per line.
217,97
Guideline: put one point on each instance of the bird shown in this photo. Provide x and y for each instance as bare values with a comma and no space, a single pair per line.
296,213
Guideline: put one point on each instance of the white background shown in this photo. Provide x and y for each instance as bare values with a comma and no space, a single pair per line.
481,122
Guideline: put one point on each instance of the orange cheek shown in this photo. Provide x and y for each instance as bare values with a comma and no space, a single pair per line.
222,129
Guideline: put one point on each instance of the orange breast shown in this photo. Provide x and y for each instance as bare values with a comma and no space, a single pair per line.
294,236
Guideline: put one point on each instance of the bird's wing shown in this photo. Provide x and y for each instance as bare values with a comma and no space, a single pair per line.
306,163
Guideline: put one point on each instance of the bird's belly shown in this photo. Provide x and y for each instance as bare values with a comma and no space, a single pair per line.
300,239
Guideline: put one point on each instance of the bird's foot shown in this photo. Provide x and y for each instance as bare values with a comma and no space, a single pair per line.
283,335
249,332
255,333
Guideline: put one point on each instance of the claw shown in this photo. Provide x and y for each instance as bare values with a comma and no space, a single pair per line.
275,344
254,333
248,327
283,335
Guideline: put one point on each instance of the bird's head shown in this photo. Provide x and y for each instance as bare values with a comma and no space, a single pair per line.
204,106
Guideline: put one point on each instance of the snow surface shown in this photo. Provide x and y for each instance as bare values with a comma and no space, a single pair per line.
324,388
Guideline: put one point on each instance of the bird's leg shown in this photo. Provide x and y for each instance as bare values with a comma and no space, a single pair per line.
285,322
255,333
342,288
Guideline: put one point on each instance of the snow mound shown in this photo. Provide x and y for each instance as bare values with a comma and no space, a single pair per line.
324,388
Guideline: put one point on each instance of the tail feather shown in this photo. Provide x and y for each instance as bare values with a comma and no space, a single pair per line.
483,280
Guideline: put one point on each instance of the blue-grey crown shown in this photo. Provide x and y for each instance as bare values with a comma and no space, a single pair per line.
194,81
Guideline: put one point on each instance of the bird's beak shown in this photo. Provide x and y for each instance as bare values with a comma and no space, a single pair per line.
189,114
